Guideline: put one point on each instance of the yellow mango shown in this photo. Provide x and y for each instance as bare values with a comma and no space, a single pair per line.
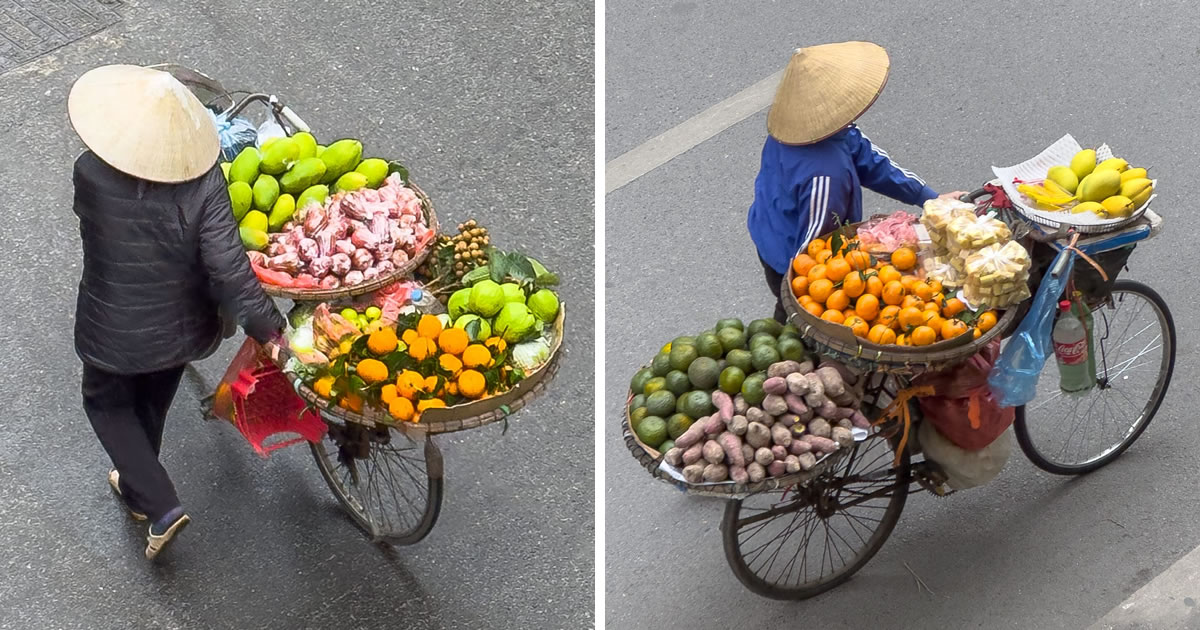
1134,187
1063,176
1083,163
1088,206
1133,173
1100,185
1116,164
1118,206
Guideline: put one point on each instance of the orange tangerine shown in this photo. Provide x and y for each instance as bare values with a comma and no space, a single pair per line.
888,273
986,321
858,325
805,299
922,290
923,336
893,293
911,317
911,300
875,285
936,285
815,309
815,246
823,256
952,328
838,300
853,284
820,289
800,286
902,340
881,335
867,307
816,273
859,260
833,316
836,269
953,307
908,282
931,306
849,312
889,316
904,258
802,263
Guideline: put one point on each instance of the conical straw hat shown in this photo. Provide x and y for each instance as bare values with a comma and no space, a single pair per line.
825,88
144,123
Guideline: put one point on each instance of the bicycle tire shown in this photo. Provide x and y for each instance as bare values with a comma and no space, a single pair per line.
761,585
377,524
1167,367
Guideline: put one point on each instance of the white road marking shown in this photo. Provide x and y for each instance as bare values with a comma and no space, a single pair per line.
1171,601
663,148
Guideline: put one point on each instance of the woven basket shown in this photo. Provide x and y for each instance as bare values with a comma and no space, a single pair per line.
652,461
838,342
401,272
460,417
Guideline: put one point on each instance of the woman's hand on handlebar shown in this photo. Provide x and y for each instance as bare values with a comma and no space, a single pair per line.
956,195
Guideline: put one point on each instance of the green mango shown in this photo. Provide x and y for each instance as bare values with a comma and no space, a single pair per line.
278,156
375,169
307,172
314,194
281,212
340,158
240,197
253,240
244,167
266,191
225,166
307,144
255,220
350,181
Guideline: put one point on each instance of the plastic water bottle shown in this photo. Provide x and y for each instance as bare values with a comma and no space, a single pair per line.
1081,310
1071,351
424,301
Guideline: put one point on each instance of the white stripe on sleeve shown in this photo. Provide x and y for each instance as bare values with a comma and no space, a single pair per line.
819,207
881,153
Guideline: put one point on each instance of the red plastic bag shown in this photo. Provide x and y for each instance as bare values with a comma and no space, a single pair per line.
248,357
963,409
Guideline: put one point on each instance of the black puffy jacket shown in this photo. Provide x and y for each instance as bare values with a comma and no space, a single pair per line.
163,267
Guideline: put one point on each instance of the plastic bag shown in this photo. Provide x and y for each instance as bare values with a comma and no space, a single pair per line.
236,134
1015,376
269,129
964,410
248,357
972,233
889,233
997,275
965,469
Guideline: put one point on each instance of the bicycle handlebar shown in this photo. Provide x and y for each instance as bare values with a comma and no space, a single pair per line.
292,118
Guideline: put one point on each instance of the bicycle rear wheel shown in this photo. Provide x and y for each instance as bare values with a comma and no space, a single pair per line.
391,486
1135,356
802,541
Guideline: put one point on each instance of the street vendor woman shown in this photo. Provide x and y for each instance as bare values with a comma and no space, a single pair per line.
164,271
816,161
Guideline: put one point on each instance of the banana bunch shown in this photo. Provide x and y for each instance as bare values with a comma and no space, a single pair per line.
1048,195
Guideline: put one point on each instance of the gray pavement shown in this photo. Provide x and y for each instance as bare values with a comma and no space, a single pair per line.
968,89
490,105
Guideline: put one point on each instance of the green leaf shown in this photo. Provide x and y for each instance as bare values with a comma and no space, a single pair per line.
396,167
500,266
522,268
357,385
546,280
473,327
836,242
506,410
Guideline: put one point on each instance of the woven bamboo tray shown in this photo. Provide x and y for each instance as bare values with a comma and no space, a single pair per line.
460,417
402,272
652,461
838,342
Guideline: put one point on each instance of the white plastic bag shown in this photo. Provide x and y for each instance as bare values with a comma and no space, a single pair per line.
965,469
269,129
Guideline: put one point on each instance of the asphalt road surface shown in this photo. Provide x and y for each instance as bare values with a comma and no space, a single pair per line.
969,88
491,107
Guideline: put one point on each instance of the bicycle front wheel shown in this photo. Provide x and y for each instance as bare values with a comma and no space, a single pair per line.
390,485
1074,434
801,541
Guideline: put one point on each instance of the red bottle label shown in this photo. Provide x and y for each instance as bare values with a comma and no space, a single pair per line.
1071,353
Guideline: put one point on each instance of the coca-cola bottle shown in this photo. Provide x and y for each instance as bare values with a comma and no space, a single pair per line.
1071,351
1081,310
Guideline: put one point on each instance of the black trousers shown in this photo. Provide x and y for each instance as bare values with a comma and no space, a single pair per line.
775,282
127,412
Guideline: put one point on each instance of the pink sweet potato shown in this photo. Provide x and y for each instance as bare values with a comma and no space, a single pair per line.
776,385
822,444
732,445
777,468
780,435
693,435
756,472
724,405
738,474
693,454
779,452
799,447
713,452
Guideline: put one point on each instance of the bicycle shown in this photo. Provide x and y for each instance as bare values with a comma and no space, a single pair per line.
799,541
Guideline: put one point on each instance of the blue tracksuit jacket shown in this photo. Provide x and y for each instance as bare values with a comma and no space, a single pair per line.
802,191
